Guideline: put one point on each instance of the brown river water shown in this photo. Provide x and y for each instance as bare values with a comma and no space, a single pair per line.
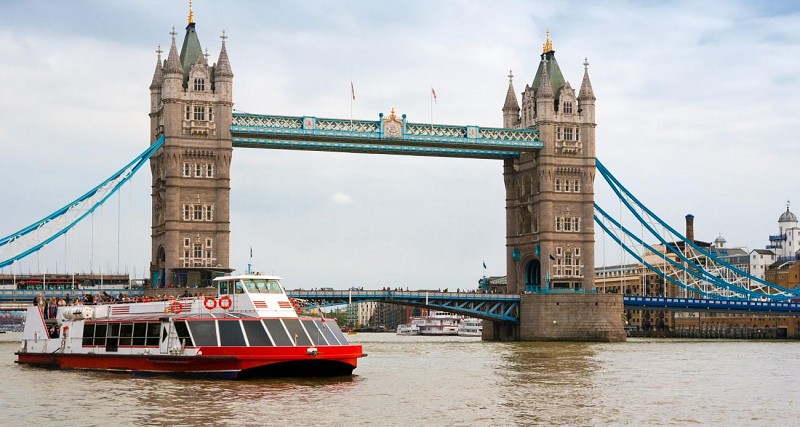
442,381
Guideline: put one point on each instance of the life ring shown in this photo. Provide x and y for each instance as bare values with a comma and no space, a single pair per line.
175,307
210,303
225,302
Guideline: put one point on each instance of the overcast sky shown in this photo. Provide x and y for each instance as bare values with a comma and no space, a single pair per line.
696,113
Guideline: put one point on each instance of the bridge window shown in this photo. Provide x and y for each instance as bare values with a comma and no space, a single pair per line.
559,251
208,243
209,170
559,223
187,212
198,170
187,113
557,185
568,134
198,212
210,213
576,186
186,242
577,252
558,133
199,85
210,114
187,169
199,112
567,107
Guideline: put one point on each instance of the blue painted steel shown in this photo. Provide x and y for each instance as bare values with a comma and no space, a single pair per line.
645,263
134,166
700,304
312,133
353,147
617,187
495,307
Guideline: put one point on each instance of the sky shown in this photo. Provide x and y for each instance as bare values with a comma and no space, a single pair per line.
696,113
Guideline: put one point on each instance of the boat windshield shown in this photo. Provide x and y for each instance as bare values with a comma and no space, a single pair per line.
262,286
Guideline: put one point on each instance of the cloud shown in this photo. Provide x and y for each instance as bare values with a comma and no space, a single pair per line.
342,199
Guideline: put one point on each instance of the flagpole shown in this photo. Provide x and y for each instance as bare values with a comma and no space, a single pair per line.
431,108
352,98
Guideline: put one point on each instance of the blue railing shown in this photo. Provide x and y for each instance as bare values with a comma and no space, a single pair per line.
709,305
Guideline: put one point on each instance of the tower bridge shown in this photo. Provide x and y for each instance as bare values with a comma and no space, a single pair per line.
547,149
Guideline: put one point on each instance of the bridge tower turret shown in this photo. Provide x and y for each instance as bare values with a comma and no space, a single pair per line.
549,194
191,106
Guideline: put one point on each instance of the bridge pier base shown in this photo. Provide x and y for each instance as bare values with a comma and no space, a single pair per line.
563,317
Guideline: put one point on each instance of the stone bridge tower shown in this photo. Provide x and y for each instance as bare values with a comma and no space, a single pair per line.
550,193
191,105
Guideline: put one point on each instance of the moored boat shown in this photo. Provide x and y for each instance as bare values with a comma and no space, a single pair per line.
250,328
470,327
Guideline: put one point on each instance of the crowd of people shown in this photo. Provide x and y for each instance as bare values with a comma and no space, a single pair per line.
49,306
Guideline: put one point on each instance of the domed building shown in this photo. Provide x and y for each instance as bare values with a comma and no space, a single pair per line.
787,242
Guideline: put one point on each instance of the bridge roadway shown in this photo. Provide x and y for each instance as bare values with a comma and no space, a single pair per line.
495,307
505,307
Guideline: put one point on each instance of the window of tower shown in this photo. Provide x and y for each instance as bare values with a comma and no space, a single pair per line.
568,134
198,170
558,133
576,186
567,224
577,252
198,251
198,212
187,113
199,112
557,185
187,212
210,114
209,170
210,213
209,243
567,107
199,85
186,242
559,251
187,170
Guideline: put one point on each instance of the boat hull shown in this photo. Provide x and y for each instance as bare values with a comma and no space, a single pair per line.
214,362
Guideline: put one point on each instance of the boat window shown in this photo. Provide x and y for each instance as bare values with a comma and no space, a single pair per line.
139,333
100,334
326,332
256,334
239,288
183,333
112,340
334,328
230,333
153,330
125,333
314,332
204,332
296,332
278,333
250,285
88,333
223,288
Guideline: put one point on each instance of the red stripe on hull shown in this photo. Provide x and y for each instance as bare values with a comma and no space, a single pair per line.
231,361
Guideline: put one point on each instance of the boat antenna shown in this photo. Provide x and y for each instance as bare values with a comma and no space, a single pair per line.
250,264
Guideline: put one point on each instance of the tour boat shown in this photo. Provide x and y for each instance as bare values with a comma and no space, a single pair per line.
250,328
409,329
470,327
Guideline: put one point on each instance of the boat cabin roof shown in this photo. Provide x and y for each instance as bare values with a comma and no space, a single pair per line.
246,276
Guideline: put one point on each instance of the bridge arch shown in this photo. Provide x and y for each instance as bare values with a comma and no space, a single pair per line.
533,275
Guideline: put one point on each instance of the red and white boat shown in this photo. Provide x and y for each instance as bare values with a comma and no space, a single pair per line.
249,329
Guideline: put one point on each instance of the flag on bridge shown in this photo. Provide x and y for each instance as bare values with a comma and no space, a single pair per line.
433,94
552,257
484,265
352,91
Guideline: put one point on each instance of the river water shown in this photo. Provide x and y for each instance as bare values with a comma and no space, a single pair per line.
442,381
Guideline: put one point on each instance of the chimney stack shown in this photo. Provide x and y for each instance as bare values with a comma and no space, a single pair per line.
690,227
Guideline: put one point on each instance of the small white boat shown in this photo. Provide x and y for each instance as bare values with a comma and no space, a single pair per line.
470,327
410,329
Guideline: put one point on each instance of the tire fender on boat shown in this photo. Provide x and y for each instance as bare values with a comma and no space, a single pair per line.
210,303
225,302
